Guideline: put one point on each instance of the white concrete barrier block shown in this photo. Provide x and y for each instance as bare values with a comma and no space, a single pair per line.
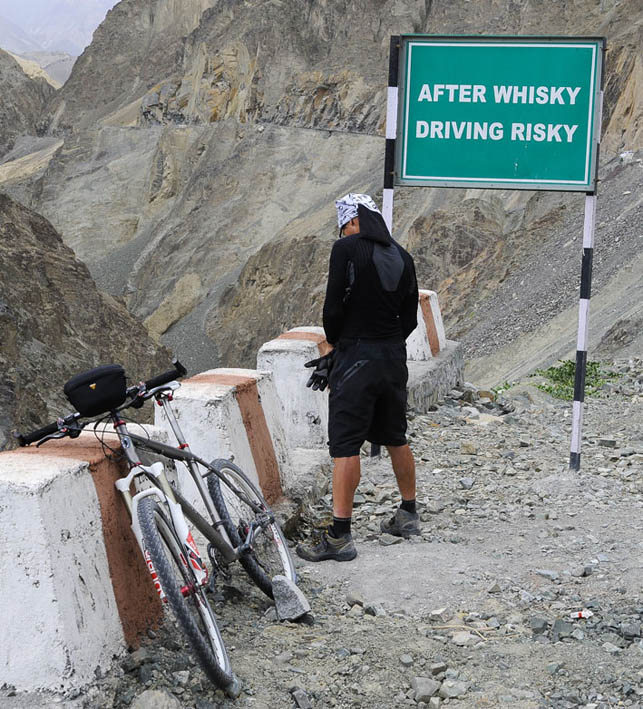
234,414
271,413
305,412
433,320
211,422
418,348
59,618
437,315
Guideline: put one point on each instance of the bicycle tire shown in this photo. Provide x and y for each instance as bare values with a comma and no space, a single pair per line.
192,611
269,555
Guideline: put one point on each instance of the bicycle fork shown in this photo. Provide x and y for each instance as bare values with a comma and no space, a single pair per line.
190,556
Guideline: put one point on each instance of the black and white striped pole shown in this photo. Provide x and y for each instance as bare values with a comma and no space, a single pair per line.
391,132
389,154
583,309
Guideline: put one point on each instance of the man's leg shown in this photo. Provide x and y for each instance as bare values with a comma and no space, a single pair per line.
338,544
404,469
346,474
406,521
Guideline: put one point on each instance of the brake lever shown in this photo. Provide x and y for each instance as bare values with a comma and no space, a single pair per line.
60,434
72,429
137,392
165,390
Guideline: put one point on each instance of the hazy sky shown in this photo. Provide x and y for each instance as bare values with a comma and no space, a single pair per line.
26,12
57,24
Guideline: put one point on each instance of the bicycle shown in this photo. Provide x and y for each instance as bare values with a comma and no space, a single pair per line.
242,526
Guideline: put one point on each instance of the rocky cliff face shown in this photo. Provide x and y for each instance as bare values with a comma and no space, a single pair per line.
54,323
22,104
137,46
205,138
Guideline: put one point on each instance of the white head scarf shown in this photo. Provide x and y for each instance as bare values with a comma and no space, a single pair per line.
347,206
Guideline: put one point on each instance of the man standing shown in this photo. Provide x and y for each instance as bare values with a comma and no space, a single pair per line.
369,311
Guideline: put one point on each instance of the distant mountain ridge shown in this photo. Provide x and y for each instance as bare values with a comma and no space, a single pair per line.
33,70
58,65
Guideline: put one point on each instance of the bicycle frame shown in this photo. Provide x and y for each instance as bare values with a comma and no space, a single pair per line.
178,505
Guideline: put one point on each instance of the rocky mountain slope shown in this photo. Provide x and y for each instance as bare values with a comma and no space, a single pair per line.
205,141
23,101
54,324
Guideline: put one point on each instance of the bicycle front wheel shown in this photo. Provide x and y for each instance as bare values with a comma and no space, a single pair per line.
269,555
184,595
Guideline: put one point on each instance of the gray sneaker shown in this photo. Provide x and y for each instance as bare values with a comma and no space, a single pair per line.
338,549
402,524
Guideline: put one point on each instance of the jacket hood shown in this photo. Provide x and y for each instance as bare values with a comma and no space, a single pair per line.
372,226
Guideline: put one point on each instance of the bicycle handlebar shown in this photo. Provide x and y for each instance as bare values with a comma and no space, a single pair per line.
178,371
24,439
59,426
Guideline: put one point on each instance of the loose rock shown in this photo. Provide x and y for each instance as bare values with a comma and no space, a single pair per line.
290,601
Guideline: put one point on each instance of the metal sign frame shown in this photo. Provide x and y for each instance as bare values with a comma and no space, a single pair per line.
392,158
514,154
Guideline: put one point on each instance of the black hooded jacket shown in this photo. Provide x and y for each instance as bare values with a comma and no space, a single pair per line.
372,290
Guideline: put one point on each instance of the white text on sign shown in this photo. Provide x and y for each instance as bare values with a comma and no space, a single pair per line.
474,130
477,93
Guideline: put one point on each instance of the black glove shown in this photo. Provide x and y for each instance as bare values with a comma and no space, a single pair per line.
323,365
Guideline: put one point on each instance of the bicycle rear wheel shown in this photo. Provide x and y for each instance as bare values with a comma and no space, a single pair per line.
184,595
269,555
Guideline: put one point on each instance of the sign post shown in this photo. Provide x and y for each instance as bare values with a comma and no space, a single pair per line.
500,113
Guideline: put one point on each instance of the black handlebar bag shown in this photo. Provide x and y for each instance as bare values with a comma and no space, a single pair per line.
97,391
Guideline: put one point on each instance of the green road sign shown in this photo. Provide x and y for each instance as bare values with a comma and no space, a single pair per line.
501,112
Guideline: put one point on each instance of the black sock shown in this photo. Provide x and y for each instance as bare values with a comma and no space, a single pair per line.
408,506
340,526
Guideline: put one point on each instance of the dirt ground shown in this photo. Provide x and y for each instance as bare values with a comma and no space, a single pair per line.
477,611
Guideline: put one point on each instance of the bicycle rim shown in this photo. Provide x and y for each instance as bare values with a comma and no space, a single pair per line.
186,599
269,555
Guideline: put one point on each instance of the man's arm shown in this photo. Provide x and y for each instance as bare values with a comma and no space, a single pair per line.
335,291
409,307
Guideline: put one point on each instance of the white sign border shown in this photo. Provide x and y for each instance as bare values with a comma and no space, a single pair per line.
502,182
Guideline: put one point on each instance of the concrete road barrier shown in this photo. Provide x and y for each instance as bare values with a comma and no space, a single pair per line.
304,411
429,338
432,317
418,348
75,590
233,413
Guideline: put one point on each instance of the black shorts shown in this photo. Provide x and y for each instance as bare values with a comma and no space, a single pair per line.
367,399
